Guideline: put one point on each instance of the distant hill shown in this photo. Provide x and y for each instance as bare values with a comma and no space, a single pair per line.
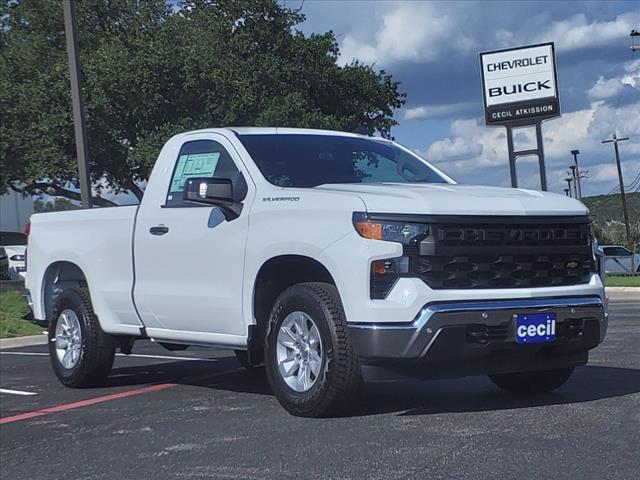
604,207
608,220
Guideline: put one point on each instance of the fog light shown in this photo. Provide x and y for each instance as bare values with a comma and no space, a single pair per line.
385,273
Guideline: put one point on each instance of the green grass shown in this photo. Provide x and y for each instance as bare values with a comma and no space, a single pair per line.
622,281
12,307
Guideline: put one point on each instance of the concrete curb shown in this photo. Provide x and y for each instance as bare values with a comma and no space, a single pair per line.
623,289
23,341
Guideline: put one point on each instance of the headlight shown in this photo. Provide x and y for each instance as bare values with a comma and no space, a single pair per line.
17,258
406,233
385,272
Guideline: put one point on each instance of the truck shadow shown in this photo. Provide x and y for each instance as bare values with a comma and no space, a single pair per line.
405,397
479,394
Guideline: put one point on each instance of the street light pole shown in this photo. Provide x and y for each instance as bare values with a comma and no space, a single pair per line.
568,189
82,149
625,212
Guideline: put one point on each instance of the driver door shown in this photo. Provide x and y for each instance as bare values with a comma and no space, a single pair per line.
189,259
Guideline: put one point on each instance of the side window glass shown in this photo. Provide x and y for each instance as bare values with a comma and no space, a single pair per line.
199,158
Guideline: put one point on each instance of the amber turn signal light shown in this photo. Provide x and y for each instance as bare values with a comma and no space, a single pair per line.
372,230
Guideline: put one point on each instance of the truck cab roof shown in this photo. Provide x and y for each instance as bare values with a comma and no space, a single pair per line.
278,130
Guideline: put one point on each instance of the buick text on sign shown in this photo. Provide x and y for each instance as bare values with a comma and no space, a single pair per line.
519,84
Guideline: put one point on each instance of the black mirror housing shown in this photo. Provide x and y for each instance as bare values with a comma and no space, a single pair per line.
212,191
225,193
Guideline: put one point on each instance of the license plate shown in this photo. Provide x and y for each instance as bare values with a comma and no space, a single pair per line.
536,328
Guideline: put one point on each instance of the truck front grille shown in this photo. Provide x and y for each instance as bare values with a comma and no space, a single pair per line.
514,252
504,271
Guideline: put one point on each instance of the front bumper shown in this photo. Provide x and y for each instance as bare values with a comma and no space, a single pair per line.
467,338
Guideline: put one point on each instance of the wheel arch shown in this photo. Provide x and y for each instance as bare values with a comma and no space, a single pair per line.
274,277
58,277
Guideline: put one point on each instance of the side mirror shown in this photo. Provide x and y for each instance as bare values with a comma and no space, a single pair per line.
225,193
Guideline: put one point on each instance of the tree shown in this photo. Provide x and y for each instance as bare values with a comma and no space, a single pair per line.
151,71
57,205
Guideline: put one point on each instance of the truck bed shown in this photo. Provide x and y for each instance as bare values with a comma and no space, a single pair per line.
99,241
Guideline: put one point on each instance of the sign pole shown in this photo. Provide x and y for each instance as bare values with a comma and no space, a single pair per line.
512,158
538,152
82,149
543,172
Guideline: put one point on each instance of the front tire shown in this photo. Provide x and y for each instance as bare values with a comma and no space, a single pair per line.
310,363
76,342
532,382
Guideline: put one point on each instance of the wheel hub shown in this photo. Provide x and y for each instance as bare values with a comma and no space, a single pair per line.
299,351
68,339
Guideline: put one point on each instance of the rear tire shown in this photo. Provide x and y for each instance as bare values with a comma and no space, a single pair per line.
333,384
532,382
91,362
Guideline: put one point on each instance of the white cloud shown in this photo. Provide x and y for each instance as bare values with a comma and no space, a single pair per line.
604,89
472,146
612,87
409,32
475,153
430,111
458,148
577,32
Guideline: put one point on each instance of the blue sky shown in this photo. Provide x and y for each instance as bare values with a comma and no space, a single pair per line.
432,48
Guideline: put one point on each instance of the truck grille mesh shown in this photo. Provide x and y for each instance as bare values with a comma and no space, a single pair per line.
504,271
504,254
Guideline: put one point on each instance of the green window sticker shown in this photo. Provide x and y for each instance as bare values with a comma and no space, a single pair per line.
193,165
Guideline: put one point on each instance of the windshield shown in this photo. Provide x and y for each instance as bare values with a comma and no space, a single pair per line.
292,160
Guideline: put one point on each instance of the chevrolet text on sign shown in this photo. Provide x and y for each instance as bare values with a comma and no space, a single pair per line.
520,84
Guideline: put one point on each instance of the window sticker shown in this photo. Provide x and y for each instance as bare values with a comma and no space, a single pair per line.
193,165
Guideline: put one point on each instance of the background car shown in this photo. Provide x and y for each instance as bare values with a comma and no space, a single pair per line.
15,245
619,259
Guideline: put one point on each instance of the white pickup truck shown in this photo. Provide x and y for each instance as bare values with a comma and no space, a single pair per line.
316,253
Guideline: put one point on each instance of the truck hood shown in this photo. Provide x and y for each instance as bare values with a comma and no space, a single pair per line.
451,199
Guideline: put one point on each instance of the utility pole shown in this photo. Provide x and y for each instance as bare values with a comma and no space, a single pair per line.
82,150
634,33
625,212
577,172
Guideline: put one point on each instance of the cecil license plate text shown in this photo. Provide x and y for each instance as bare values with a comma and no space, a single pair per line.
536,328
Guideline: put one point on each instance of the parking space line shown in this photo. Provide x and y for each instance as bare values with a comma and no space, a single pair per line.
24,353
16,392
136,355
85,403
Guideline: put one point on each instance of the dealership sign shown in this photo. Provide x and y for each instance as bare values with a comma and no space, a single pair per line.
520,85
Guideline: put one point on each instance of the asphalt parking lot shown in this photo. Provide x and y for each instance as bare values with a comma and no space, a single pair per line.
198,414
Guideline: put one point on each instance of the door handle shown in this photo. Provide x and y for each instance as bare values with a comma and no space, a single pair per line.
159,230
